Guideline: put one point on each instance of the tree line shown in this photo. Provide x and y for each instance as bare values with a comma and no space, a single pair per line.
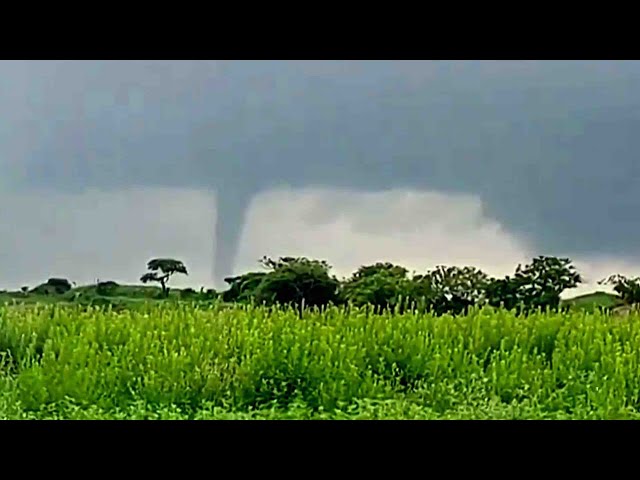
306,283
302,282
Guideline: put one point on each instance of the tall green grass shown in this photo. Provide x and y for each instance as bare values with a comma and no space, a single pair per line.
189,361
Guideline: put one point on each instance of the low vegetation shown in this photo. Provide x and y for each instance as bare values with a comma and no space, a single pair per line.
294,341
185,361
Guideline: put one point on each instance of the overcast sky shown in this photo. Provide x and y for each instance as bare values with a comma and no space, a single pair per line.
104,165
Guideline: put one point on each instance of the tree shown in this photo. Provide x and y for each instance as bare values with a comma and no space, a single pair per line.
450,289
161,270
542,281
504,293
297,281
25,289
242,288
386,268
382,285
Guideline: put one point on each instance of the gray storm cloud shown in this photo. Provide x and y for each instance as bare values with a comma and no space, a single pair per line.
549,147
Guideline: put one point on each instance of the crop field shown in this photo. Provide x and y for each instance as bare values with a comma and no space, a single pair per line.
180,361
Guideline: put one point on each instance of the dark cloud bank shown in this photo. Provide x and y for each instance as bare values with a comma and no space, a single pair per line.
549,147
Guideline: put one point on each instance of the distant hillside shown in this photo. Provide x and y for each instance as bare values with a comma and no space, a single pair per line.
592,301
107,293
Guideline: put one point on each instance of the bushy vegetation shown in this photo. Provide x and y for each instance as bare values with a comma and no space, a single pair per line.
381,285
52,286
303,282
445,289
107,289
168,360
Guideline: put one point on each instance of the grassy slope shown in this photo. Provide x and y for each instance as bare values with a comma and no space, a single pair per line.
592,301
121,296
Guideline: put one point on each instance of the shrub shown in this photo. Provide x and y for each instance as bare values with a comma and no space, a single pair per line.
242,288
450,289
504,293
53,286
210,294
107,288
188,293
382,285
297,281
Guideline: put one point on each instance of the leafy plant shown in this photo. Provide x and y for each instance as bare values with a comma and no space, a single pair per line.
90,361
382,285
504,292
242,288
450,289
541,282
56,286
297,281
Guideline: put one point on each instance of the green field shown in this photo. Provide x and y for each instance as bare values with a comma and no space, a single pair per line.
169,360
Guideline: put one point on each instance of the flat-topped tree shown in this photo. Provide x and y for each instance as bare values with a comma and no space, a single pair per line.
161,271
